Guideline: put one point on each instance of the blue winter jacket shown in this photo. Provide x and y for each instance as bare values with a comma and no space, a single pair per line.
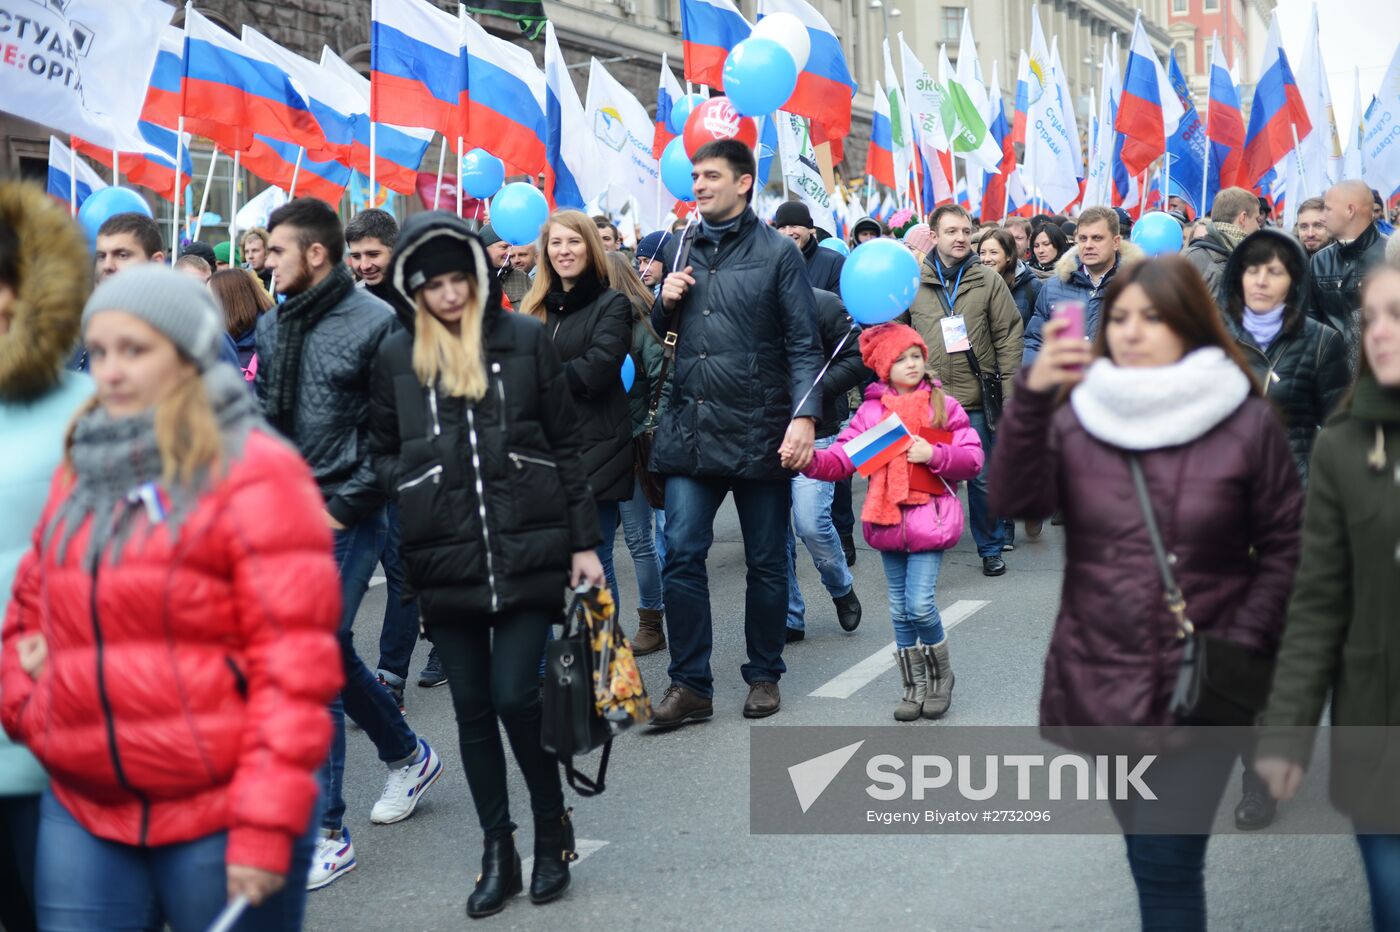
1071,283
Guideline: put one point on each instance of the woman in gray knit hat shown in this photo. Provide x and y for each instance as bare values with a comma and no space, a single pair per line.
170,651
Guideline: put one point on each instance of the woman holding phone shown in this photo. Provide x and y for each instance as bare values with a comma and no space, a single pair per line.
1220,478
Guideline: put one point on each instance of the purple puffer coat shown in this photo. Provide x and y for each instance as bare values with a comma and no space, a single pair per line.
1229,506
936,525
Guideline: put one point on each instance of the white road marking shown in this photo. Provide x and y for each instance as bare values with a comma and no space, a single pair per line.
584,847
376,581
844,685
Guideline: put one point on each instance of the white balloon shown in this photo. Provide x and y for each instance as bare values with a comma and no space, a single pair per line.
789,32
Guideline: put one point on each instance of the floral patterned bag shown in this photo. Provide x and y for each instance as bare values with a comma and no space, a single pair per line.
593,690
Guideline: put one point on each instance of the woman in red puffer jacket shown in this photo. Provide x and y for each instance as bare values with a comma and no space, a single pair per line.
170,649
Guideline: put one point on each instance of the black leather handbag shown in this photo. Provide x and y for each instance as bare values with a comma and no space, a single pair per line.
1219,682
570,723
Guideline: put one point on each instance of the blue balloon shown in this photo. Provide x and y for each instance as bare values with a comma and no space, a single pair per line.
675,170
759,76
482,173
878,281
680,111
629,372
518,212
106,203
1157,233
835,244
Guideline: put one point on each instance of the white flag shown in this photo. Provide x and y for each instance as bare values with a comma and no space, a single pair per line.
1067,109
925,101
624,132
83,66
901,128
1351,157
804,176
1052,167
1380,152
1322,151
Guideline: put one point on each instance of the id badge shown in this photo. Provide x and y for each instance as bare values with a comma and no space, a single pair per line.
955,334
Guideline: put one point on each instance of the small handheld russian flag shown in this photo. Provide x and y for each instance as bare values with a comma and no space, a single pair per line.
878,445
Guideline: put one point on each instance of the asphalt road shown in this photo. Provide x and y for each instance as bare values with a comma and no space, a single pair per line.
668,845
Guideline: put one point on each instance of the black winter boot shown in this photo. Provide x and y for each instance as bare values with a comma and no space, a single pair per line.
554,849
499,880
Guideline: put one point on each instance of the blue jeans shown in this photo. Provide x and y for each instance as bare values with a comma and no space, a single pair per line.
642,544
811,513
1381,856
608,514
912,580
987,531
691,504
357,550
88,884
400,632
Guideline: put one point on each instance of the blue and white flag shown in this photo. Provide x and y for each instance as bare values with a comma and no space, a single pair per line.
61,163
572,161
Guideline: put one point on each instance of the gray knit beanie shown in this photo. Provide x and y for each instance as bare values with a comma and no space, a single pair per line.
178,306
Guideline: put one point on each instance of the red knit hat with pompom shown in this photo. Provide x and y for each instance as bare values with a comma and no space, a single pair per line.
881,345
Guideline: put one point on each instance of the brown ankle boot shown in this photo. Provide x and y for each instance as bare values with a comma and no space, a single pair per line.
650,637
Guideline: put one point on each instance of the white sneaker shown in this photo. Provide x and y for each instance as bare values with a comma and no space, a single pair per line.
332,859
406,786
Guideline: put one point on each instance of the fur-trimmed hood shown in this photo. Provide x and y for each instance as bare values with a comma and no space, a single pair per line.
1129,253
55,278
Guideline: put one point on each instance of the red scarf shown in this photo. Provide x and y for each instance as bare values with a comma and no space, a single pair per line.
889,487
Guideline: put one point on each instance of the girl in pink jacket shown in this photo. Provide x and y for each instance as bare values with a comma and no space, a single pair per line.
911,528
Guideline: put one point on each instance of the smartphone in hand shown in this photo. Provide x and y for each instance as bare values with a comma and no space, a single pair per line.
1073,313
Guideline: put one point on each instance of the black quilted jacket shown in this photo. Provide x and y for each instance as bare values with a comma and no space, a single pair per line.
332,407
1337,271
748,351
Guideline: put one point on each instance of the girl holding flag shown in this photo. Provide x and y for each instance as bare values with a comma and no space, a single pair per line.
914,443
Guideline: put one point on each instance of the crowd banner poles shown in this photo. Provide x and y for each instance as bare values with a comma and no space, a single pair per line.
372,141
116,177
1166,180
175,215
1299,196
442,160
296,172
1142,195
204,198
72,178
233,216
1205,176
459,176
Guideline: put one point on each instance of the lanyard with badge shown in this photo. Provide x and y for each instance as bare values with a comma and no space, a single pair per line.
955,339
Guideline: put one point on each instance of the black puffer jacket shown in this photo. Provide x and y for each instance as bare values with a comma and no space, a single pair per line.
844,372
1304,370
823,266
591,328
1337,271
1024,290
748,351
493,497
1210,255
332,408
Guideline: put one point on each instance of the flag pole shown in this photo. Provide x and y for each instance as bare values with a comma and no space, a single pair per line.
1142,194
1302,173
1205,162
204,198
233,216
442,160
296,172
116,178
1166,180
72,178
175,213
459,176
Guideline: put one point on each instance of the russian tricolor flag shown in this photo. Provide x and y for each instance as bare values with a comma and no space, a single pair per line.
149,159
335,106
1224,124
1278,112
879,160
274,161
709,29
398,150
824,85
877,446
60,182
232,90
994,196
505,101
1149,110
571,176
667,93
162,105
417,67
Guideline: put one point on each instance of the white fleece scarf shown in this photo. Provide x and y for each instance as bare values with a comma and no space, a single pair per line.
1162,406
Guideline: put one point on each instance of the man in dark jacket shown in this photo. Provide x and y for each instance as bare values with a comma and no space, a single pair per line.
743,416
794,221
864,230
315,354
811,498
370,238
1083,274
1338,268
514,283
1233,216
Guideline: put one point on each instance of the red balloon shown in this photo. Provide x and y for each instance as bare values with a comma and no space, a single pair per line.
715,119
